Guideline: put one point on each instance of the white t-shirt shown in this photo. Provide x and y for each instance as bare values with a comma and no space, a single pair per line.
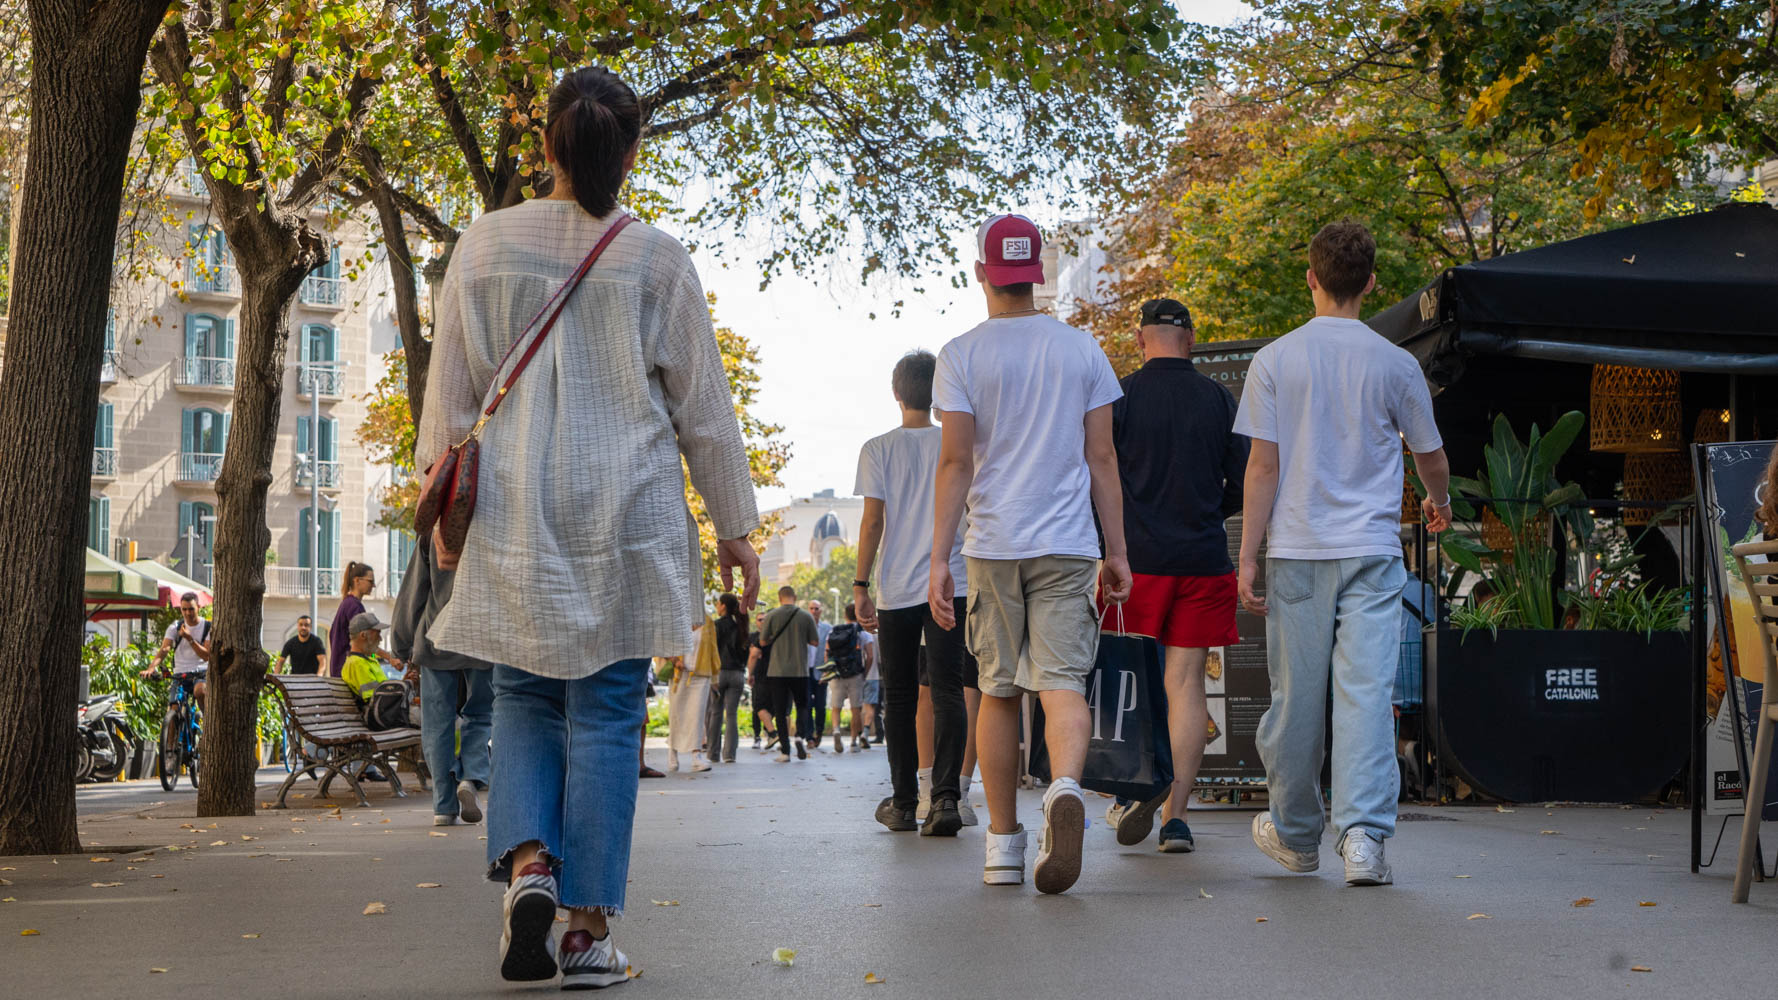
865,642
900,468
1029,381
185,656
1338,400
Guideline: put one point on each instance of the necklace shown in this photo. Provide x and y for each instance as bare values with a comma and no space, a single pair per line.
1028,311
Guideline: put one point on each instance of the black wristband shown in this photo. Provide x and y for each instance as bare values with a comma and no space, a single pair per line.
857,584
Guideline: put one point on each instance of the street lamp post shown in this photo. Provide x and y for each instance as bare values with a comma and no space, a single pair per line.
835,591
310,371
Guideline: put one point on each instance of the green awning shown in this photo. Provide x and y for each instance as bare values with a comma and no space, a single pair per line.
112,587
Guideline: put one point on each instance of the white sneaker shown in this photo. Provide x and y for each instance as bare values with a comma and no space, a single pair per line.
1265,837
468,806
1365,864
1006,858
441,819
924,805
782,758
963,807
698,763
589,964
1064,826
672,760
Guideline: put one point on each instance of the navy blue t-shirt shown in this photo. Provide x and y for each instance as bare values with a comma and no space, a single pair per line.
1181,465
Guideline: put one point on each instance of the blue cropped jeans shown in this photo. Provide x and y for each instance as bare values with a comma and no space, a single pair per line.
565,776
1332,623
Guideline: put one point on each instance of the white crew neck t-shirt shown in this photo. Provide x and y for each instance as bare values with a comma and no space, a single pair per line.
1339,401
1029,381
185,656
900,468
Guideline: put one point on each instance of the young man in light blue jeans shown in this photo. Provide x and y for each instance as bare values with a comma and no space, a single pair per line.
1328,407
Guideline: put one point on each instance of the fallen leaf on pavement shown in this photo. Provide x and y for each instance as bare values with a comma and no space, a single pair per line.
1463,876
1503,809
375,908
1478,916
784,956
632,972
1204,894
1585,901
245,837
100,861
28,933
219,843
157,970
157,876
106,885
428,885
9,899
871,906
1646,903
250,935
1259,920
437,833
385,820
1550,833
5,881
871,978
561,919
1640,968
665,902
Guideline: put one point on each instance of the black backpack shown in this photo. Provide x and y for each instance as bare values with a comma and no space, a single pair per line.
386,708
843,650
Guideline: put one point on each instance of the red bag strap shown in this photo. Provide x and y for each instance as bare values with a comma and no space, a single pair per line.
559,300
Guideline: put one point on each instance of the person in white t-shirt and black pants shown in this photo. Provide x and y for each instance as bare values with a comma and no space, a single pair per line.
188,639
896,472
1028,450
1328,407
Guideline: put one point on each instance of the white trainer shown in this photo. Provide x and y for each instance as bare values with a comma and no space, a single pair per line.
1064,827
1265,837
1006,858
963,807
924,803
1365,864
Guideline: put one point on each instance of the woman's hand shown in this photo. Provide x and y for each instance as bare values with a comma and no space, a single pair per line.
732,553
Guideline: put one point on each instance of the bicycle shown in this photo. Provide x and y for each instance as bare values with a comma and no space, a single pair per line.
180,731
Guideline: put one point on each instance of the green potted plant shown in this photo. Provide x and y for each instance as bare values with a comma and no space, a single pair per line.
1545,693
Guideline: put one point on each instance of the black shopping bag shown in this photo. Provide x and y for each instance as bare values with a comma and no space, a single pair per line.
1130,753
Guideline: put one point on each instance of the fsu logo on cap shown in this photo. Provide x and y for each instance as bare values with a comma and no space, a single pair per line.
1015,248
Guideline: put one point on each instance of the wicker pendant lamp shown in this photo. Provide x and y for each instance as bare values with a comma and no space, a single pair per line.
1635,410
1712,427
1663,477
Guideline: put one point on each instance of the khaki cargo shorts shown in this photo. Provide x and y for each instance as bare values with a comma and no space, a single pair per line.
1032,625
843,689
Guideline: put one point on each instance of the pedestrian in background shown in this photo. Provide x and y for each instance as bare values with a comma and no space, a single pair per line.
688,699
1328,407
817,727
304,652
456,692
723,731
787,638
1181,465
578,568
359,581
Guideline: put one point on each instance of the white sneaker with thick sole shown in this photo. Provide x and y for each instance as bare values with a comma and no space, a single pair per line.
1006,858
924,804
698,763
963,807
589,964
440,819
1064,827
1365,864
527,941
1265,837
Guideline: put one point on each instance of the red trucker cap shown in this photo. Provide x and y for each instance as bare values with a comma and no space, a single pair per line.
1011,249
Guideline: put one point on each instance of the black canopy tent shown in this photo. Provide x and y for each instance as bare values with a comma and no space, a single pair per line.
1694,293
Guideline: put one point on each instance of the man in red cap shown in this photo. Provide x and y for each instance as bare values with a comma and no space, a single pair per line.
1027,446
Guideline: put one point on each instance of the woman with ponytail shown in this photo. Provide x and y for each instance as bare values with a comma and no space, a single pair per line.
582,561
355,586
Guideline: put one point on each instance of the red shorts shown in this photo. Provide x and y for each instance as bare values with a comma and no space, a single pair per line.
1192,612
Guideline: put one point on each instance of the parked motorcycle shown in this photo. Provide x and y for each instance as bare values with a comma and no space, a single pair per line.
104,740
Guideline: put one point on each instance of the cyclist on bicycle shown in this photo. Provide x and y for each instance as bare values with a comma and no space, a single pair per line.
188,639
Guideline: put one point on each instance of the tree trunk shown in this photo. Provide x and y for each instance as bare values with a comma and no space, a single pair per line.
272,270
86,71
402,274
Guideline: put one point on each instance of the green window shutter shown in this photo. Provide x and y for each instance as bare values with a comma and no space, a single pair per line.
187,514
222,444
302,541
305,350
191,335
330,539
111,330
102,427
228,339
302,436
189,439
328,440
330,339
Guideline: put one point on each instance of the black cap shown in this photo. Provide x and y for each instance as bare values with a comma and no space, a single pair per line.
1166,312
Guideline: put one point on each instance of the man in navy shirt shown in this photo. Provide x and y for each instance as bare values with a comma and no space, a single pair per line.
1181,465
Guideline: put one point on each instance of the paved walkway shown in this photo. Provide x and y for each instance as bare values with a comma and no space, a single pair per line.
759,856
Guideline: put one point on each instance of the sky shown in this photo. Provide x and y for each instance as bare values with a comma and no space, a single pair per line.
825,363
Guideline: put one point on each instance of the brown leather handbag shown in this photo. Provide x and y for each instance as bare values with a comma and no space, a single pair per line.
447,499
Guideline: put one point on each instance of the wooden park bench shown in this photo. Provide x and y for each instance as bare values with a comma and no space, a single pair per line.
328,727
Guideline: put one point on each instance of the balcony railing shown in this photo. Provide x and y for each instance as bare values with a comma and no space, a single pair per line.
105,462
293,581
108,367
207,373
323,379
330,474
199,467
206,279
319,291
